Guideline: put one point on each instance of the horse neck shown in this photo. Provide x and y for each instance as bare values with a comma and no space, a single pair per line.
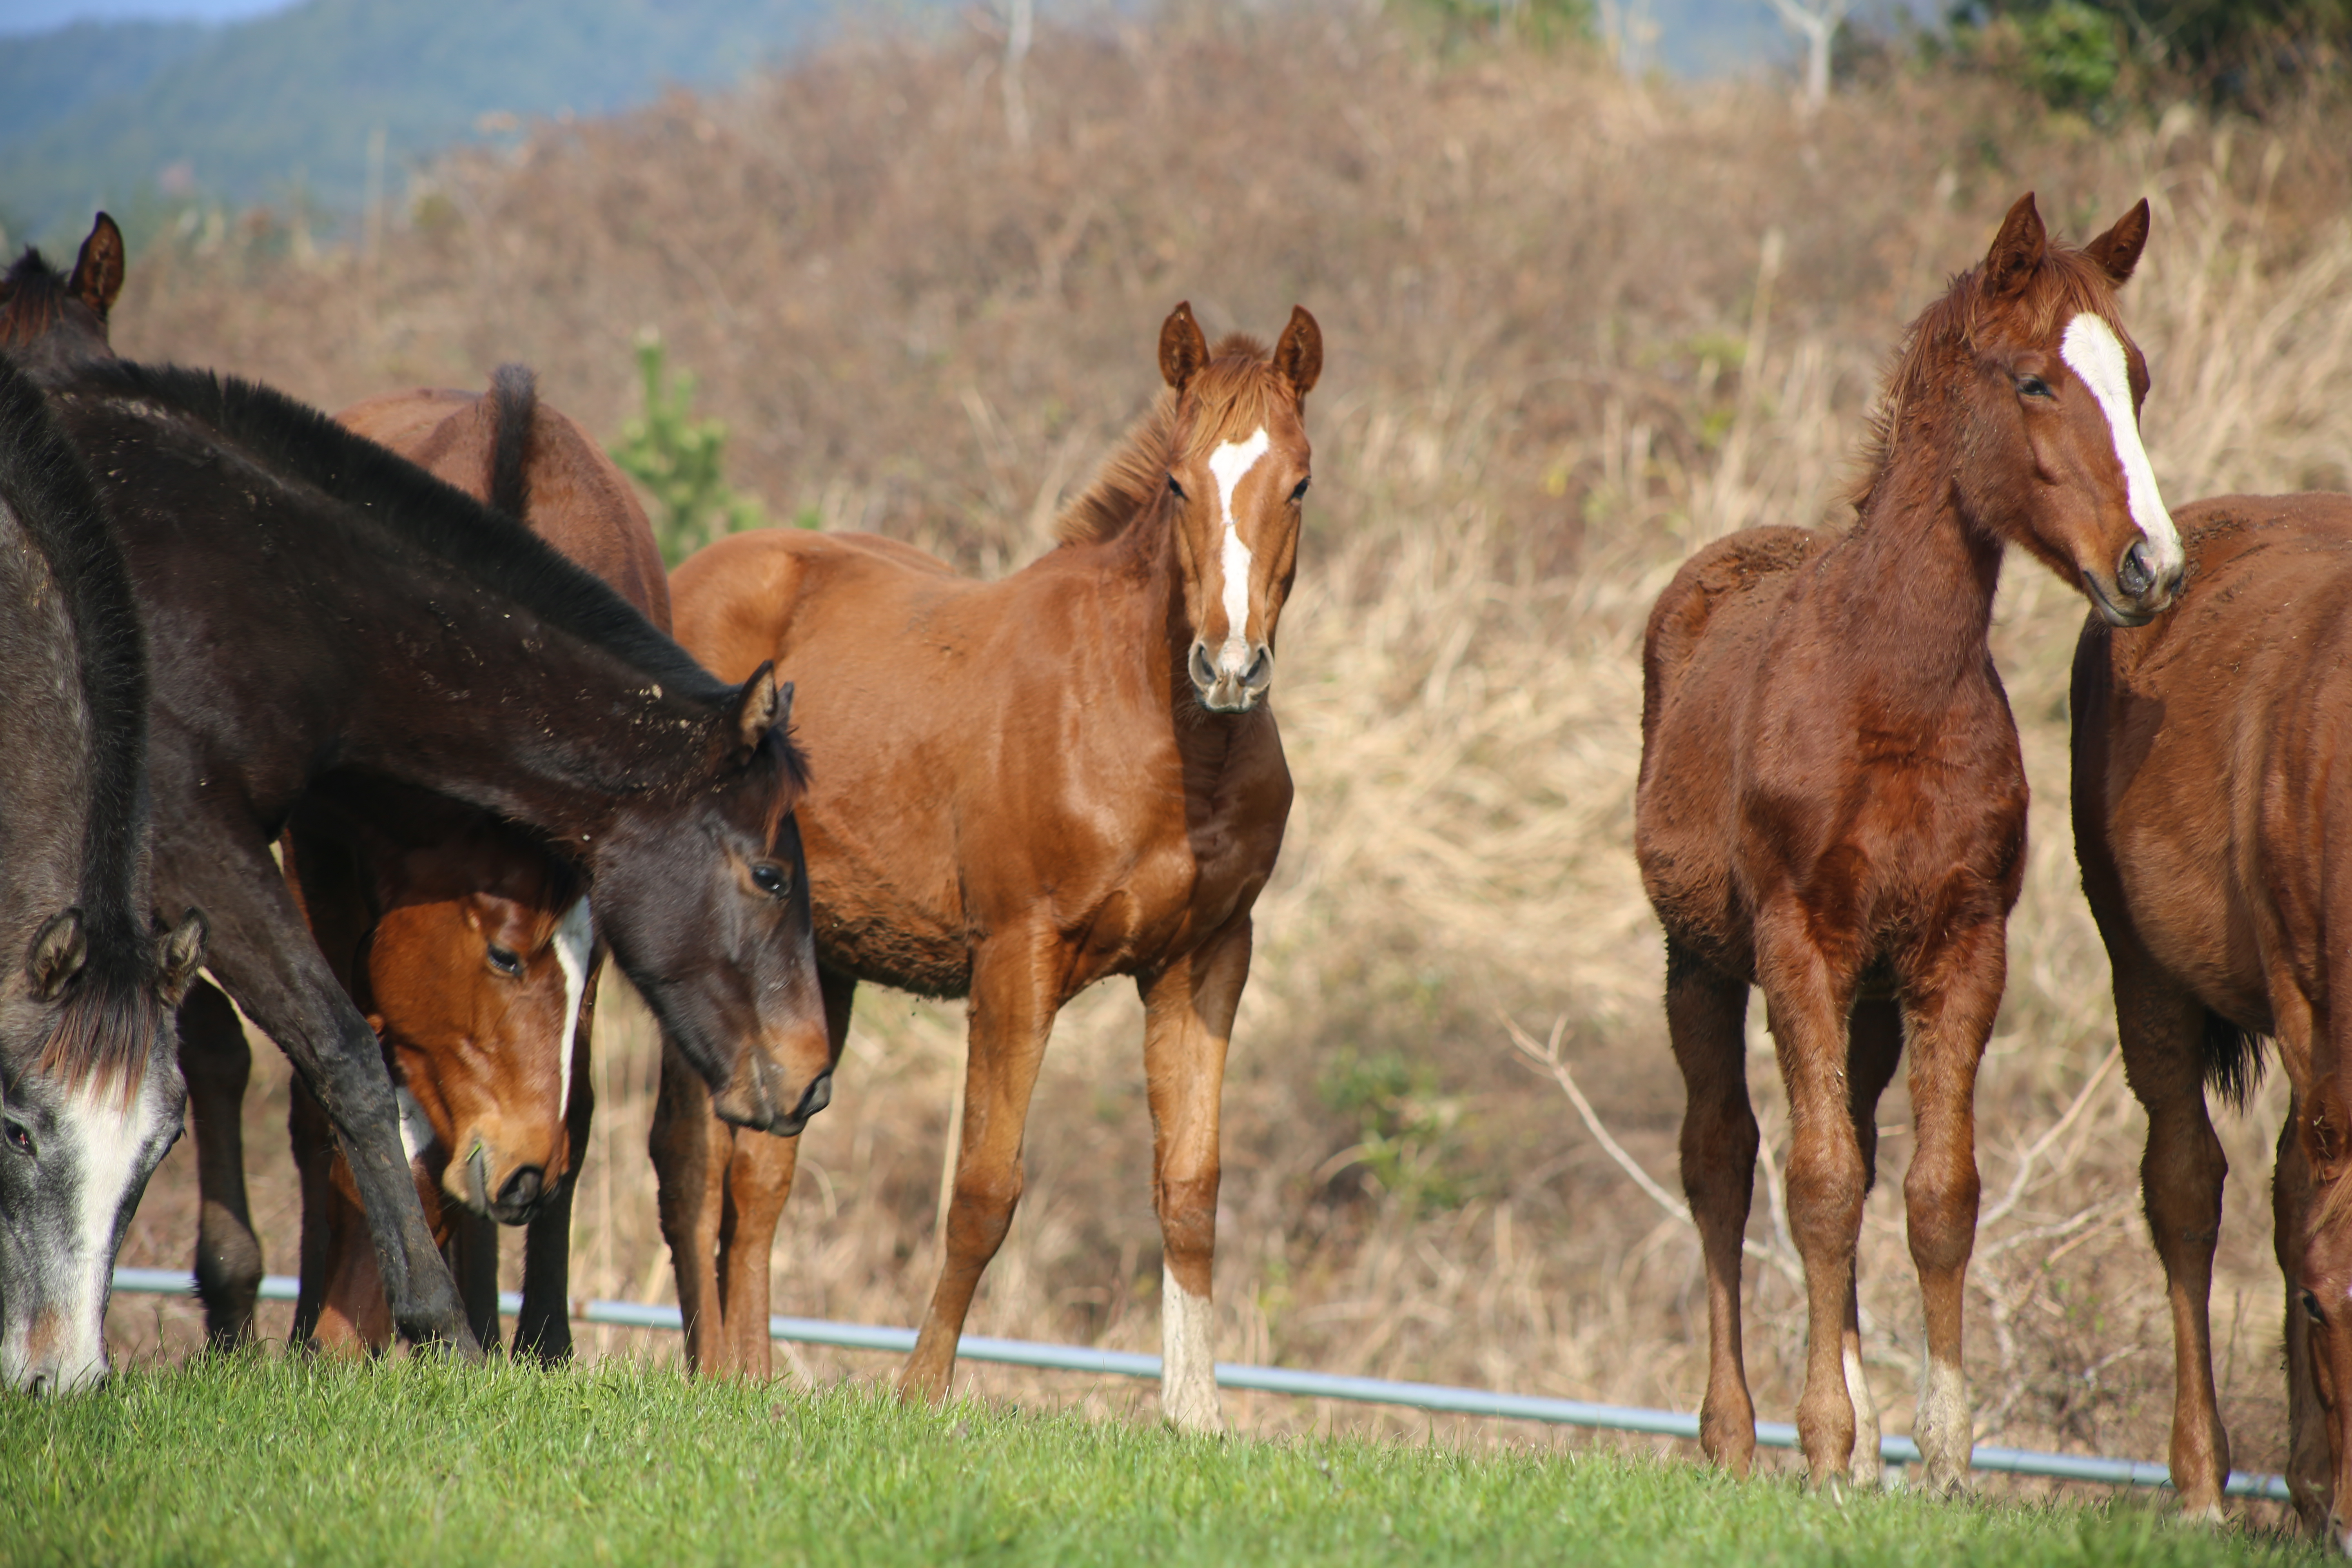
46,806
1918,575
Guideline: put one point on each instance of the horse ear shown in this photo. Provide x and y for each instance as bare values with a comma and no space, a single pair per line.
97,271
1182,349
178,959
1300,354
2117,250
759,708
2016,251
56,956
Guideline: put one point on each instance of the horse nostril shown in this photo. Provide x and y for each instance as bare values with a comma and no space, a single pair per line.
522,1188
1260,673
818,1095
42,1383
1204,672
2132,572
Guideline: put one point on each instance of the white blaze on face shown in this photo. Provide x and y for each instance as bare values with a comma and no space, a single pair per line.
417,1134
575,935
1229,463
2093,354
108,1143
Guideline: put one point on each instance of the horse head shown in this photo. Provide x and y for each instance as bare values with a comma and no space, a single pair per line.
1237,477
49,319
708,911
90,1101
2047,452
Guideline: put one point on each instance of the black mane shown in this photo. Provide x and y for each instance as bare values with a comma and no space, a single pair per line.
496,550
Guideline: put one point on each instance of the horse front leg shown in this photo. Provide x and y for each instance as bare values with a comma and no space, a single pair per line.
1189,1009
1874,1033
1950,1004
1706,1015
543,1326
690,1148
1013,1007
217,1063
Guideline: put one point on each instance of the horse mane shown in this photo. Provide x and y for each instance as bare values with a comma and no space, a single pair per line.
35,295
112,1016
1233,389
2065,282
496,550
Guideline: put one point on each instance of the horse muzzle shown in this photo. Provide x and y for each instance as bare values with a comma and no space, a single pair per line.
1234,679
2141,588
521,1195
757,1110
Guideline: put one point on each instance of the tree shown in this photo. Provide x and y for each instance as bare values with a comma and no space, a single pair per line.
1816,24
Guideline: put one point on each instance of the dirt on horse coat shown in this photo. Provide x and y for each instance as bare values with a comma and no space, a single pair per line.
1021,787
1832,802
322,610
2216,842
90,1090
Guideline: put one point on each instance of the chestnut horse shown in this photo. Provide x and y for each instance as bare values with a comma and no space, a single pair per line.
1021,787
2215,835
1832,802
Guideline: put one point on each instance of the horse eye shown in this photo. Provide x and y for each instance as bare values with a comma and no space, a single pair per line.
19,1139
1174,489
771,879
505,960
2034,386
2311,1308
1300,493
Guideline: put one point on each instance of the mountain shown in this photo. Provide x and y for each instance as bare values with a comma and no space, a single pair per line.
100,114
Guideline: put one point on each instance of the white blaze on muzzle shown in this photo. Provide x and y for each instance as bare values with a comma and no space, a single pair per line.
574,936
107,1143
1230,464
2096,355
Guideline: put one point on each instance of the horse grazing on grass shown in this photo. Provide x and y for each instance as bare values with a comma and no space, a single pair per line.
2215,836
89,1093
1025,786
325,614
1831,802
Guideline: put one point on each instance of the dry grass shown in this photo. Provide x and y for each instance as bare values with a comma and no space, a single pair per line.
1576,328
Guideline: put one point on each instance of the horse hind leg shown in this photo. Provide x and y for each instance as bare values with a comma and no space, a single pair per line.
217,1062
1874,1033
2310,1468
1707,1016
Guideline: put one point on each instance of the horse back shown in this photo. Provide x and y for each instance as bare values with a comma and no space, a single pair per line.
1725,591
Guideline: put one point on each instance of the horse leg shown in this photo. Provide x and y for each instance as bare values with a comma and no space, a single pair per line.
1948,1019
1707,1019
1189,1010
312,1140
217,1063
1875,1032
543,1326
690,1148
758,1179
472,1253
2161,1028
2310,1472
1013,1010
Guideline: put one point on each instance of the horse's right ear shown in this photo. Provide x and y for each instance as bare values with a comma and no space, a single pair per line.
1182,349
2016,251
98,271
760,707
2117,250
56,956
177,959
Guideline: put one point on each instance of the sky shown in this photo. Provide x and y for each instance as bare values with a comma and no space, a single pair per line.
41,15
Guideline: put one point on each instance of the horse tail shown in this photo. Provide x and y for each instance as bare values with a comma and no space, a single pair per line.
2234,1060
514,403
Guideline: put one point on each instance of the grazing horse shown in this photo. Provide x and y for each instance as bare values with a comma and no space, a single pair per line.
1025,786
1831,802
467,945
325,614
2215,835
89,1093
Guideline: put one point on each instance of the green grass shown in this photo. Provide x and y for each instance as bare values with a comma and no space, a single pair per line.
249,1459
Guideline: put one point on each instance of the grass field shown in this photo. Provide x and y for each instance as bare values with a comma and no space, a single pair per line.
250,1459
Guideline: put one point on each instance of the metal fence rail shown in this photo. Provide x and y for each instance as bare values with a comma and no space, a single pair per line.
1307,1384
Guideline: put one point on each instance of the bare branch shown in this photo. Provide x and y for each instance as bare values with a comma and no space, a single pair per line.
2041,1146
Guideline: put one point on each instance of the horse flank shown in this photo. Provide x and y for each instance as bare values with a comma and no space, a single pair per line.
1232,391
112,1016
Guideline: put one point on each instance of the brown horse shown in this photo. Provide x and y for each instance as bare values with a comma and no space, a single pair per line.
1832,802
465,941
2216,842
1023,787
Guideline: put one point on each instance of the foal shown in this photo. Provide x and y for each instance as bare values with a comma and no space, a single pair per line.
1024,786
1832,802
90,1096
2215,835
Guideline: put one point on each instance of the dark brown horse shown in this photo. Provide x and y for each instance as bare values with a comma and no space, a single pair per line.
1832,802
47,321
89,1093
1025,786
2212,820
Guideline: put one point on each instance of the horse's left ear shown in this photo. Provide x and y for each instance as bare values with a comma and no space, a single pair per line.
760,707
2117,250
1182,349
181,954
1300,354
2016,251
98,271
